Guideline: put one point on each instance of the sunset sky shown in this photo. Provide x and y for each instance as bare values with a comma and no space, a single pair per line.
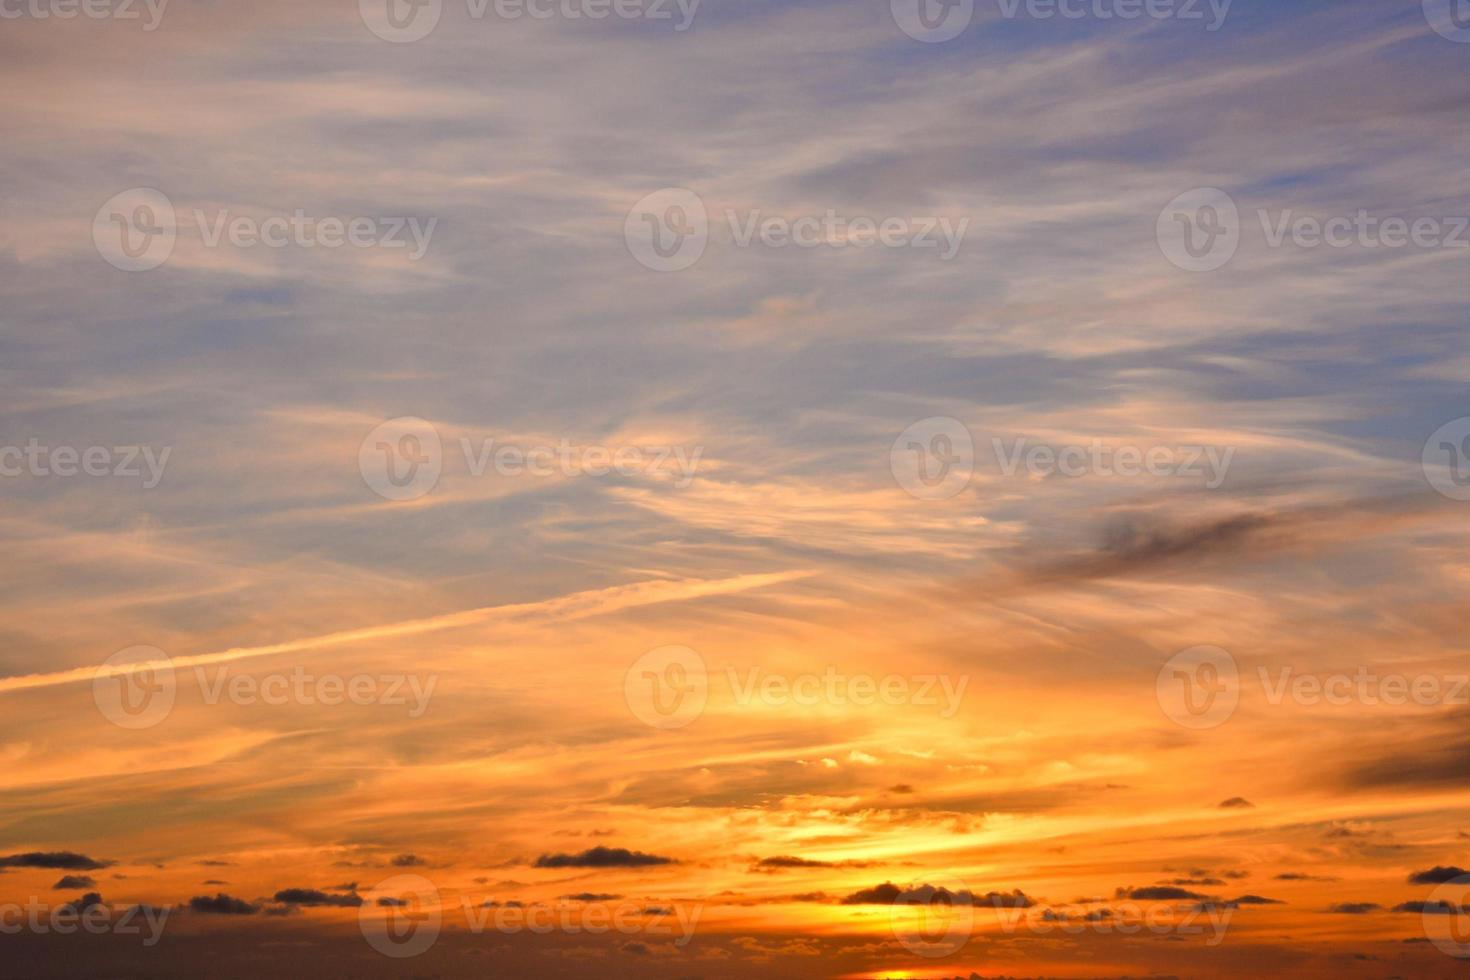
1052,565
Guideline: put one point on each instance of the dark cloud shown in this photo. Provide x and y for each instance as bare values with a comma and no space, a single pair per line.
889,894
592,897
602,857
1255,900
1301,876
407,861
1437,875
73,882
1434,907
222,904
310,896
85,902
635,949
787,861
1354,908
1157,893
62,860
1236,802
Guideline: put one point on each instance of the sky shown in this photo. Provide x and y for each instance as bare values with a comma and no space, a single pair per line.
637,488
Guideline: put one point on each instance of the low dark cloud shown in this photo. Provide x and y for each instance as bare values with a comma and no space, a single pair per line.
1256,900
888,894
310,896
62,860
592,897
1236,803
1157,893
222,904
407,861
73,882
1354,908
602,857
1433,907
1437,875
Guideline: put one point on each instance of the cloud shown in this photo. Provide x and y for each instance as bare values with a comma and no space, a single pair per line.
407,861
888,894
602,857
1157,893
1354,908
1432,907
73,882
592,897
310,896
1236,802
65,860
1437,875
1255,900
222,904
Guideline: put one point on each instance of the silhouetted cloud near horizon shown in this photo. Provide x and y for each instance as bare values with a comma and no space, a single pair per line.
222,904
311,896
63,860
1437,875
73,882
889,894
1355,908
603,857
